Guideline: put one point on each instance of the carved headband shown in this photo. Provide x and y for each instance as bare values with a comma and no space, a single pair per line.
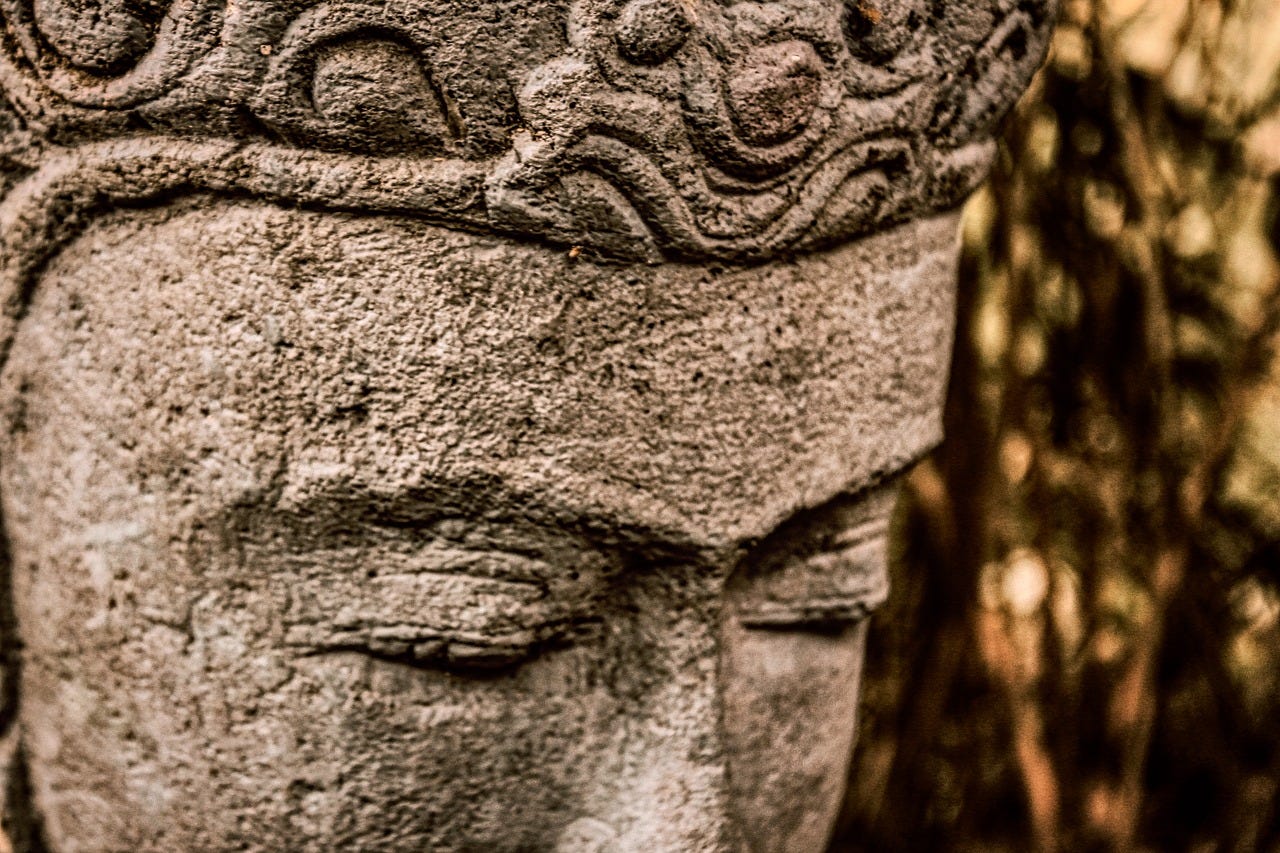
638,129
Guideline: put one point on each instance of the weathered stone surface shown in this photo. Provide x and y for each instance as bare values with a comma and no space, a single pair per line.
449,426
651,128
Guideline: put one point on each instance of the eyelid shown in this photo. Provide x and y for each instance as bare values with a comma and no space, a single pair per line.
840,585
437,605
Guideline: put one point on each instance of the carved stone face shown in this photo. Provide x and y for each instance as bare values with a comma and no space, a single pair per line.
473,429
322,540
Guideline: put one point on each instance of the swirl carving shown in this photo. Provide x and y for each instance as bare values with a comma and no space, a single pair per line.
636,129
111,53
353,76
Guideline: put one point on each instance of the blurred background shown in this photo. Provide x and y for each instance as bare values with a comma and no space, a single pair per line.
1082,652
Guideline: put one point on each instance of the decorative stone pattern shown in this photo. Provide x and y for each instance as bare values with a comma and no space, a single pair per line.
651,129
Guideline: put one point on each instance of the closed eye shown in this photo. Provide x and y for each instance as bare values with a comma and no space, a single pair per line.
439,606
471,656
824,591
824,571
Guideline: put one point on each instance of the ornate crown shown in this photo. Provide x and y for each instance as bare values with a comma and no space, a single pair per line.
638,129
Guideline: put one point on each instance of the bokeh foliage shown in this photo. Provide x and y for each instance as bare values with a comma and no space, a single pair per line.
1083,649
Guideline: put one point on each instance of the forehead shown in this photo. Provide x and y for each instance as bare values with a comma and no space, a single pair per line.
391,355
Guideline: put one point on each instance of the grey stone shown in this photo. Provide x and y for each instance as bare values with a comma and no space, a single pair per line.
448,426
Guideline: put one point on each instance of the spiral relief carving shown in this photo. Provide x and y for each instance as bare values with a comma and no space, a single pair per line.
110,53
649,129
353,76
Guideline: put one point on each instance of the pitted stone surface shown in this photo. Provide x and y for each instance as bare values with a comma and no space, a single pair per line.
367,534
444,425
640,129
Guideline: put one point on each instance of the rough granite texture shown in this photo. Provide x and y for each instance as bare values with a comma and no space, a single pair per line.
451,426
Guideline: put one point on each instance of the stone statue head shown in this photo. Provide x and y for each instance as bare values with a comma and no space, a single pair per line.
450,426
